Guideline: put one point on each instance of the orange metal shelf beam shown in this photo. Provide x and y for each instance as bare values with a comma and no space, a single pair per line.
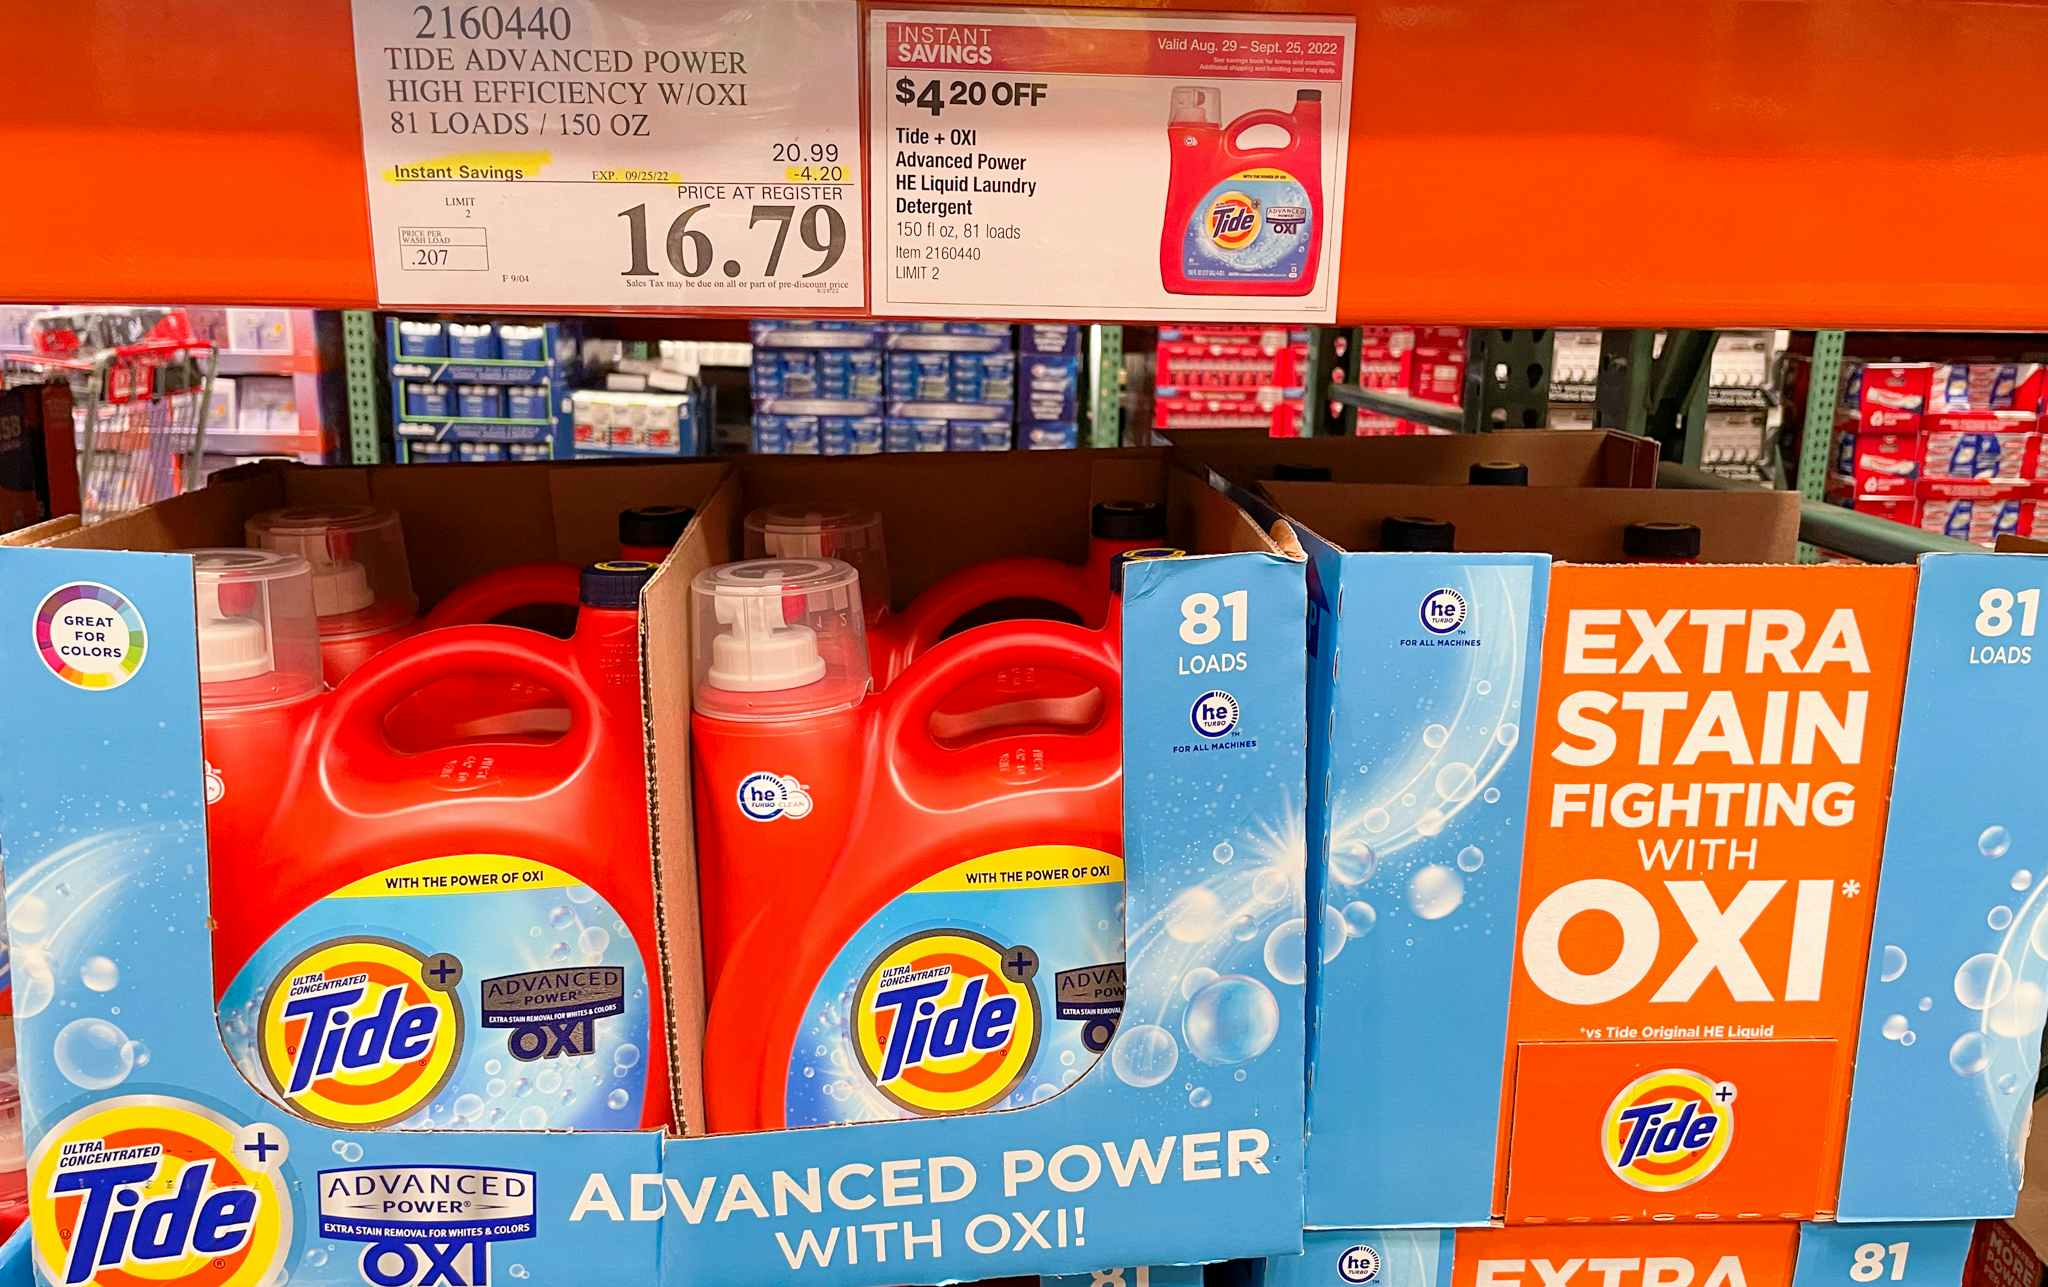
1860,163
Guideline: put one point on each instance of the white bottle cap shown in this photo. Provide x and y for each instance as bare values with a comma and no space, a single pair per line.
358,557
1196,105
825,532
778,625
256,619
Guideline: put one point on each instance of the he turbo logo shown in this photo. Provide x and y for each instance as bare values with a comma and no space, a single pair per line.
1668,1129
947,1021
148,1189
362,1031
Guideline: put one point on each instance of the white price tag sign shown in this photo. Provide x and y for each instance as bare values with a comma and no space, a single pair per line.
1107,166
691,154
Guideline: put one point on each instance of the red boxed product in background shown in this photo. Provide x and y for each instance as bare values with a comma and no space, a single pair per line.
1987,386
1876,464
1979,512
1215,364
1885,397
1899,509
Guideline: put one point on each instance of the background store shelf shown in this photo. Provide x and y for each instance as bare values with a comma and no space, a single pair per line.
1797,162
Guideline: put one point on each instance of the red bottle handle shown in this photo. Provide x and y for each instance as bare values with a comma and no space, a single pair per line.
982,652
352,727
955,595
494,594
1263,116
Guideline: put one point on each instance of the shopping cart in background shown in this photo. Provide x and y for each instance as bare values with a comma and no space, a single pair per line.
140,385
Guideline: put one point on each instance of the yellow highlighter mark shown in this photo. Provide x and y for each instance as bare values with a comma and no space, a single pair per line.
507,167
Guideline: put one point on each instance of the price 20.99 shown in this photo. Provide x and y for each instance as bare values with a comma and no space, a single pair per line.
691,253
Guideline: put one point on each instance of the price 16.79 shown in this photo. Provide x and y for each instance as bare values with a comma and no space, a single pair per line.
690,252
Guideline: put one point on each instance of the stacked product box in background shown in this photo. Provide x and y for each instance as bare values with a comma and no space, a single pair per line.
653,405
1230,377
480,390
834,388
1950,447
1049,397
1426,362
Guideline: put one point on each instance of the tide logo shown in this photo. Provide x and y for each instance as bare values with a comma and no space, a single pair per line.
1668,1129
1233,221
946,1021
147,1189
361,1032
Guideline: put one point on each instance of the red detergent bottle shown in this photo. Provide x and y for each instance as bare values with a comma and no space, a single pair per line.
646,533
1241,221
460,938
362,585
894,924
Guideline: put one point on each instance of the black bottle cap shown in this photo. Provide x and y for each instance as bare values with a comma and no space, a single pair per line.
656,525
1308,96
615,583
1128,520
1664,541
1498,473
1301,473
1116,565
1413,534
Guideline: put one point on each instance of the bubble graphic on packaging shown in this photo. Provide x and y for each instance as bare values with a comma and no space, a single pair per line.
93,1054
2037,934
495,1087
27,916
493,1067
580,894
34,982
1484,688
1507,735
1456,781
618,1099
1286,951
138,1054
1894,1026
1376,820
1200,1097
1998,917
1195,915
1982,981
1144,1055
1435,891
2019,1012
533,931
533,1117
1359,918
1924,1004
348,1150
1243,929
1223,852
1894,963
1353,864
469,1107
516,1271
559,952
1992,842
2020,880
594,940
1491,795
1271,885
1407,799
1067,1056
100,974
2008,1083
626,1056
316,1256
1431,822
560,917
1435,735
1908,1037
1334,933
1968,1055
1233,1020
1190,983
1471,858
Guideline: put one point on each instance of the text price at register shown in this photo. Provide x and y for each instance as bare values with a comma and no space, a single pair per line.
691,254
935,96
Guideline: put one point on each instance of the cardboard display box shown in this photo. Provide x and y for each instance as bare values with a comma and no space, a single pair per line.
1173,1148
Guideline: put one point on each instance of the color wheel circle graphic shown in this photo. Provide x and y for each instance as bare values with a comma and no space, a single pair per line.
90,636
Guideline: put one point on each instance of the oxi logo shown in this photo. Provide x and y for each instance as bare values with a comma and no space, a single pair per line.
946,1021
1358,1264
1233,221
1668,1129
149,1189
90,636
764,797
1442,611
361,1031
1214,713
